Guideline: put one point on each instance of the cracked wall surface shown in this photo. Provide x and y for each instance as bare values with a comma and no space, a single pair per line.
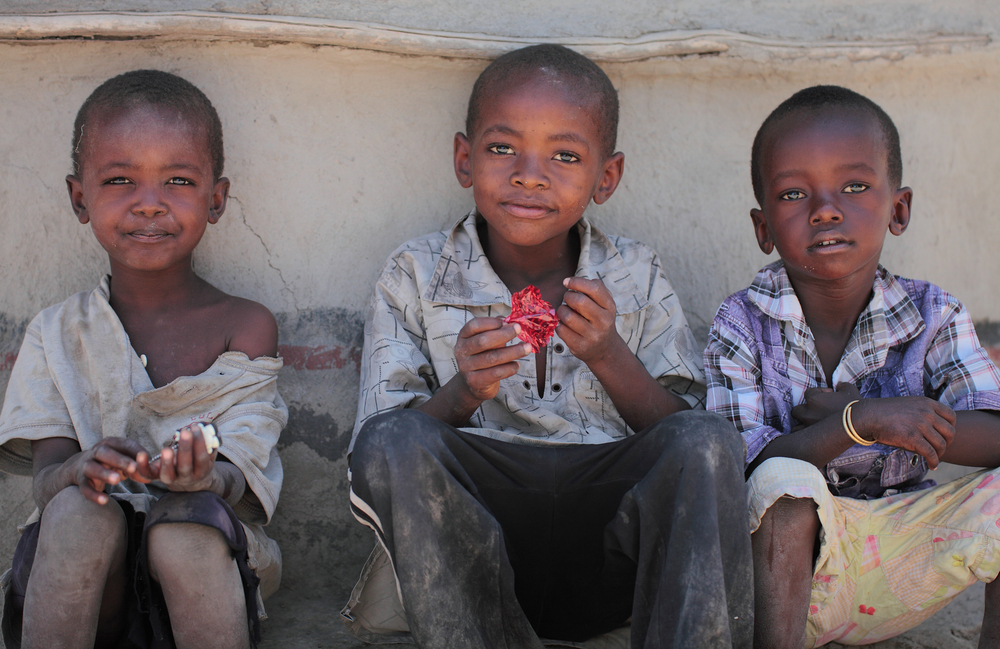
337,156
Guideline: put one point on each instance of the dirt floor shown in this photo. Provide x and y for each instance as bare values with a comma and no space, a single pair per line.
300,621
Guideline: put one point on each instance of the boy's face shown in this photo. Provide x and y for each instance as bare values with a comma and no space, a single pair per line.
828,200
536,160
146,187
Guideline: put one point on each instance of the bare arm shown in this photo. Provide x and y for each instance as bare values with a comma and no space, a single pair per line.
977,439
918,424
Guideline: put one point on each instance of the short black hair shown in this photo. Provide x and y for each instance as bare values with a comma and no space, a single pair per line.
818,97
157,89
564,62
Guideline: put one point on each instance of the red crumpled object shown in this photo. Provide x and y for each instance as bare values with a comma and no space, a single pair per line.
537,318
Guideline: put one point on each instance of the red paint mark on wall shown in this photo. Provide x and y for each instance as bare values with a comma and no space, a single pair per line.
301,357
7,361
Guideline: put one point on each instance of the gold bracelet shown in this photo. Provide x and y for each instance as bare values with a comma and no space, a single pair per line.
849,426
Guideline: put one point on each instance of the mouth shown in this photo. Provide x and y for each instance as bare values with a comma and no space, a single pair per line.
830,243
149,235
527,209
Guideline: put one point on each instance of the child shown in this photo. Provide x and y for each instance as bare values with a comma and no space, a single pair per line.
515,494
129,551
847,383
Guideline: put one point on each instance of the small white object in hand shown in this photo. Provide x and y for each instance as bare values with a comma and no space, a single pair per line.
142,359
212,441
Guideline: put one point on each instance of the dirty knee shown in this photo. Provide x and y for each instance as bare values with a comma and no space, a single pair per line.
185,549
69,516
703,436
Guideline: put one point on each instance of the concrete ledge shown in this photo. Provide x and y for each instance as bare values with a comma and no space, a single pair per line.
217,26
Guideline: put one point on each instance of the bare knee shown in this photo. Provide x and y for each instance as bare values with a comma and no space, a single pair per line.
185,550
799,514
72,523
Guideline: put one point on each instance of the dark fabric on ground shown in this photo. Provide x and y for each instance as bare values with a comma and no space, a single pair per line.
495,542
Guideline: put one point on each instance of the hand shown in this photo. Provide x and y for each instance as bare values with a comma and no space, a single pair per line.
820,403
917,424
484,358
110,461
190,467
587,320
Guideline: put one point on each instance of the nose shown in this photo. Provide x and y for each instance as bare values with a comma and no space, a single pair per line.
149,202
529,172
825,210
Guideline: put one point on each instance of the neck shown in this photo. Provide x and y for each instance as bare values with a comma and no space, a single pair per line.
519,266
834,307
150,290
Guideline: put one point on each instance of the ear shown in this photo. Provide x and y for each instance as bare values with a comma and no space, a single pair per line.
75,188
463,160
220,196
761,231
610,177
901,203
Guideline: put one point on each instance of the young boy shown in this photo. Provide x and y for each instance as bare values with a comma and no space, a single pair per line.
129,551
554,494
847,383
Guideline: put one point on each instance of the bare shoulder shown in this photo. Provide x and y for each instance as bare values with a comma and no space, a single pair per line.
254,330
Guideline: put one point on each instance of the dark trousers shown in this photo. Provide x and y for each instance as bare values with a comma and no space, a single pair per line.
494,543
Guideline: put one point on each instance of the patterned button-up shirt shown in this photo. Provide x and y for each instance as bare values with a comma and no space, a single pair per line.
432,285
912,339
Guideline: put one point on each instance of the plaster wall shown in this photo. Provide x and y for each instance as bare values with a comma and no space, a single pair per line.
338,155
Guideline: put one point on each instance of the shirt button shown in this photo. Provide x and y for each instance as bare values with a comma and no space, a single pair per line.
556,387
527,385
559,348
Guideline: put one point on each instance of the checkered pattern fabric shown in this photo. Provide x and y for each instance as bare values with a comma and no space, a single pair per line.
912,338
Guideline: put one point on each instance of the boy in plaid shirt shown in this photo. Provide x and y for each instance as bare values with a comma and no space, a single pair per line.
847,384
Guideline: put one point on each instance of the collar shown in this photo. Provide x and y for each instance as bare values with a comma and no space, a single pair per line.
890,319
463,275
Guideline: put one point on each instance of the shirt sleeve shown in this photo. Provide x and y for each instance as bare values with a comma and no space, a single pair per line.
667,348
395,369
735,383
33,407
957,369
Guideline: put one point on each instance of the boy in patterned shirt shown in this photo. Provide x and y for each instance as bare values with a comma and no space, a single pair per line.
847,383
563,492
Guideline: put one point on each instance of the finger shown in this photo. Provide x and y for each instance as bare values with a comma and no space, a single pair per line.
483,379
573,319
202,459
493,339
587,307
946,431
945,412
814,391
167,468
494,357
128,447
144,471
100,473
592,288
479,325
113,459
184,464
923,447
93,491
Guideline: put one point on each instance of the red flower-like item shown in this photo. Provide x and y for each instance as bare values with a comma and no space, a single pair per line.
537,318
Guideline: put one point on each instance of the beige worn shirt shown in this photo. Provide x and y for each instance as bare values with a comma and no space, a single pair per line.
432,285
77,376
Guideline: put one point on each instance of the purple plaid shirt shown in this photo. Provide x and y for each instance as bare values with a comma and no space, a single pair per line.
912,339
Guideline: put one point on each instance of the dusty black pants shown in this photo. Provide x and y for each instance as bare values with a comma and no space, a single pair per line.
494,542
